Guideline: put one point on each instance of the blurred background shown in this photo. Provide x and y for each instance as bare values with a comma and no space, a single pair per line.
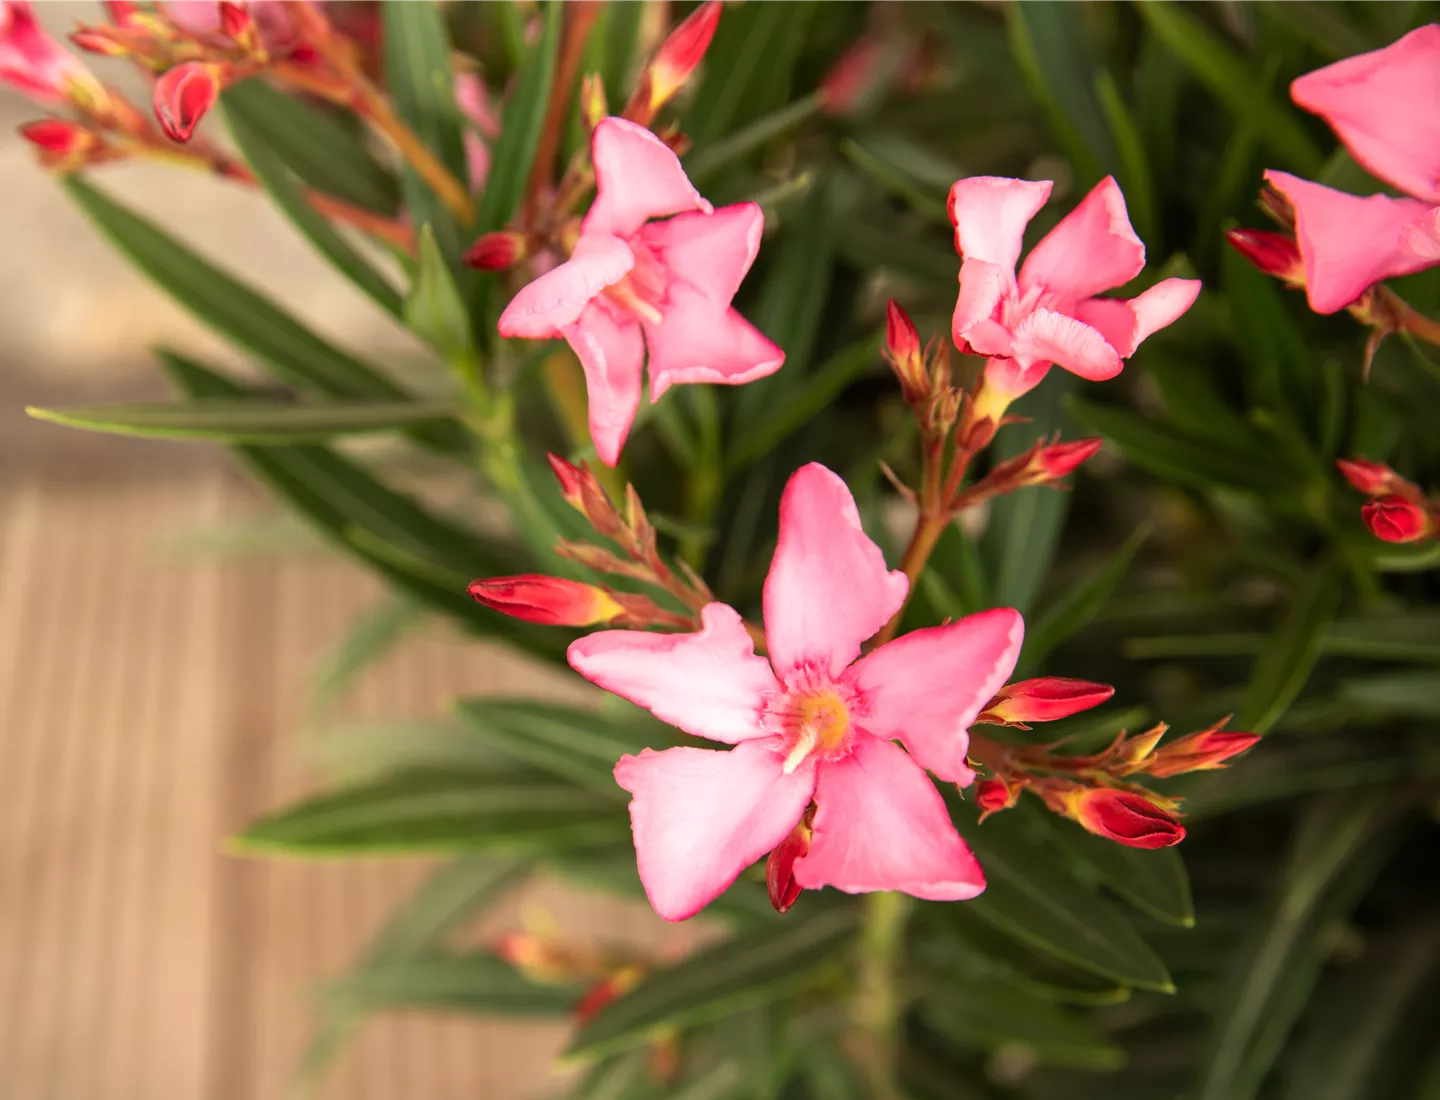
159,631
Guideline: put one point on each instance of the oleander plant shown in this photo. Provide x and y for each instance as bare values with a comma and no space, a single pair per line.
942,434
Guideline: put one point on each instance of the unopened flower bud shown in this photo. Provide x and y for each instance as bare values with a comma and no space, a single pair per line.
902,348
120,10
1060,459
1199,752
183,96
593,105
1043,700
38,66
236,22
681,53
780,868
550,601
103,41
63,144
606,990
1134,751
1395,518
496,251
571,479
1371,478
994,795
1275,254
1124,817
583,493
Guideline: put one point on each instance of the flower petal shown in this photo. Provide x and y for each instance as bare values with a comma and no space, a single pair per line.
983,286
828,588
709,684
1126,322
990,214
1348,243
546,305
611,348
880,824
1046,336
1422,238
701,817
1092,249
709,253
1385,107
926,687
637,177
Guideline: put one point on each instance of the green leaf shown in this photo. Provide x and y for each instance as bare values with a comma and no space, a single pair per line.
1023,531
350,753
417,812
1334,857
1134,164
708,160
1051,49
1154,882
1285,665
373,635
760,967
244,317
250,421
580,746
1231,79
987,1017
464,983
821,387
622,38
434,309
1080,603
422,87
1031,896
1415,694
314,145
1164,451
254,145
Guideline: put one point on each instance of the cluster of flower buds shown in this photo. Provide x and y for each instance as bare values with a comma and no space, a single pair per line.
557,601
547,960
1096,790
1397,510
944,412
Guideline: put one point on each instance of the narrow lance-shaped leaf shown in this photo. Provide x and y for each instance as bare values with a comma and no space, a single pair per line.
1285,665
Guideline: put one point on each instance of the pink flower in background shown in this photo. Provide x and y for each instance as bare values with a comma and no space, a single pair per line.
633,282
208,17
473,99
1385,107
33,62
1050,314
812,722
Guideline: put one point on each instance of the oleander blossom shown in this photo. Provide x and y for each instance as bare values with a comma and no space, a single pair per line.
1385,108
34,63
811,723
634,283
1050,315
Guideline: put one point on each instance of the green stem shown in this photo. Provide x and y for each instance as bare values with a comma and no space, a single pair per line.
703,490
878,1005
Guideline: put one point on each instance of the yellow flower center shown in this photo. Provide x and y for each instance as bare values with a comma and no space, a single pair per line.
820,723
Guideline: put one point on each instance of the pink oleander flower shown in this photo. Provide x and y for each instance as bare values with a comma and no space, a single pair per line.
1385,107
633,282
473,99
812,722
34,63
1050,314
206,18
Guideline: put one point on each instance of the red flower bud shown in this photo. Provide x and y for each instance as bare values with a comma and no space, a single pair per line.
1371,478
572,480
496,251
994,795
606,990
102,40
1199,752
550,601
1124,817
1396,519
1275,254
780,868
183,96
120,10
235,20
902,348
1060,459
1043,700
59,139
681,53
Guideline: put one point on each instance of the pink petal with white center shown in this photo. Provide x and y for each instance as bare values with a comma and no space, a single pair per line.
1046,336
637,177
1348,243
701,817
926,687
1385,107
880,824
1126,322
611,349
710,684
1092,249
709,253
557,298
828,589
983,287
990,214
